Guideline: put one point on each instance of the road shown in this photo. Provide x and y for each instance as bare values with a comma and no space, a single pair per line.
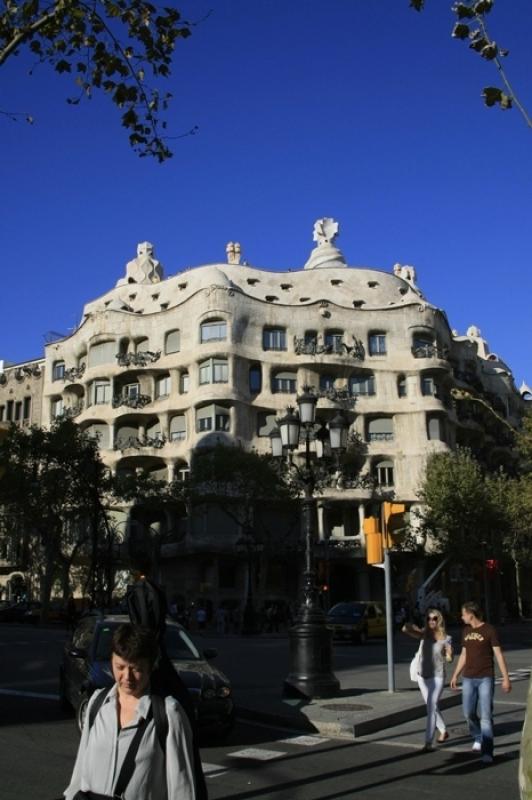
38,743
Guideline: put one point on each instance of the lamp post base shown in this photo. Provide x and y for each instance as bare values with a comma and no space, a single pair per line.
310,657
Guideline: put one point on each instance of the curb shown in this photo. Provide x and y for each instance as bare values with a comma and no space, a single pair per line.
345,728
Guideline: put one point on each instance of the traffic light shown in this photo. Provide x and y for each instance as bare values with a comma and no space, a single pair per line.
492,565
392,520
372,532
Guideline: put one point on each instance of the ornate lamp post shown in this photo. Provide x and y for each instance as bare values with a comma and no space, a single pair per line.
310,640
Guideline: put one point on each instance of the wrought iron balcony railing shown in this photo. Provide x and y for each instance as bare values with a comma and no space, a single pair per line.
136,401
141,359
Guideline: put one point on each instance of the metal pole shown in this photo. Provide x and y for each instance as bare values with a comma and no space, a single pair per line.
389,619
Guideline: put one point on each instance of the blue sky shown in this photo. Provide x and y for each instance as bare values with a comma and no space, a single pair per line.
362,110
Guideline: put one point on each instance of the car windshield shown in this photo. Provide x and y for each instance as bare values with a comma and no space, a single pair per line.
178,644
347,610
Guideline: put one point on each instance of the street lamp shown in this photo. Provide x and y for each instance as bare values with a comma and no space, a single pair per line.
310,640
248,546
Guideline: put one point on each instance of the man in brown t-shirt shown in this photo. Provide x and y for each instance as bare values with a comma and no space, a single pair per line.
479,644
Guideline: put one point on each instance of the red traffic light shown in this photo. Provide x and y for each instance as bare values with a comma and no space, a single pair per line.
492,564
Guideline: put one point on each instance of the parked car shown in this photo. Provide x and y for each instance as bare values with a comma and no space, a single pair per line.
56,613
86,666
357,620
16,612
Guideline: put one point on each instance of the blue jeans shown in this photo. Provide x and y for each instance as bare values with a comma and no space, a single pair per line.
477,704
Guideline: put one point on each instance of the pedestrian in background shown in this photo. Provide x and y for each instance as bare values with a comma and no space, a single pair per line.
480,643
435,649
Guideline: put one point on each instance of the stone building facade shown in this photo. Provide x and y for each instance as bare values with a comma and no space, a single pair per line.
160,366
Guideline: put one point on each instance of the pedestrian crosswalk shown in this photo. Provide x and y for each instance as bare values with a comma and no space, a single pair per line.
262,754
516,675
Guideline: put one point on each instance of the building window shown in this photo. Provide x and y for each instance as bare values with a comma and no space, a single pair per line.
211,418
401,386
311,338
380,429
178,428
284,382
58,370
265,423
57,407
435,428
334,340
377,344
428,388
100,431
101,392
103,353
255,379
143,345
131,391
423,345
18,410
172,342
326,382
383,473
274,339
214,370
362,385
184,383
162,386
2,413
213,331
27,409
9,411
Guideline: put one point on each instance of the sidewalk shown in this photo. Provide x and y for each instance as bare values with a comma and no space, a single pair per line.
257,667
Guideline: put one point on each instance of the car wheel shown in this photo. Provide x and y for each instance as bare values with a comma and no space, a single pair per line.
82,712
63,698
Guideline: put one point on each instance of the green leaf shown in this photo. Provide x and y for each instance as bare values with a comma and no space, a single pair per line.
63,66
489,52
463,11
460,31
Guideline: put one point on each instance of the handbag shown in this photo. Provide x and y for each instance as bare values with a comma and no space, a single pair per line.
415,664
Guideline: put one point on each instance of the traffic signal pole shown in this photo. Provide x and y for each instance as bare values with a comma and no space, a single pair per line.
389,619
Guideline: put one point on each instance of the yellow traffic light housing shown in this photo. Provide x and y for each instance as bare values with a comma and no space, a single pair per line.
372,532
392,520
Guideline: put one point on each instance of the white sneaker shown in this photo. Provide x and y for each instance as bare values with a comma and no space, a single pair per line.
477,747
487,759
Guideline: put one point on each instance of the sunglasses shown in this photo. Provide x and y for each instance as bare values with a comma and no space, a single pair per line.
432,619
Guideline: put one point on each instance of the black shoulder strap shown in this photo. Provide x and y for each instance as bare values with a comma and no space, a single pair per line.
96,705
160,719
128,765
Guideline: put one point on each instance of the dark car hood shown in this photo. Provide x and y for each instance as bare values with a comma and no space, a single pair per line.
196,675
199,675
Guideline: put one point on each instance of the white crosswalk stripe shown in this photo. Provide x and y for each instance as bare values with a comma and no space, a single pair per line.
257,754
304,741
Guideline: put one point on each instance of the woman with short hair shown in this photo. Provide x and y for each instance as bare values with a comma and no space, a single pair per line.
120,753
435,650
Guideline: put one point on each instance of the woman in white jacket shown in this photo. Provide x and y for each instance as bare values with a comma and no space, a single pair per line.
435,650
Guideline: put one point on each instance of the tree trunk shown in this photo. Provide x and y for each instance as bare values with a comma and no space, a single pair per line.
518,590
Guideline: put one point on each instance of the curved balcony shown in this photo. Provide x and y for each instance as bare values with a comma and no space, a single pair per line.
142,359
318,347
133,401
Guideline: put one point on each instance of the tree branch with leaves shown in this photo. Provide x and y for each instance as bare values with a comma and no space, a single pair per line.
471,26
109,45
